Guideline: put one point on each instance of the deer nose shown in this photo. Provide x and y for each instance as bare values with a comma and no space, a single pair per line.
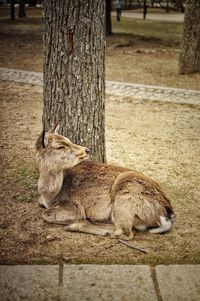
87,151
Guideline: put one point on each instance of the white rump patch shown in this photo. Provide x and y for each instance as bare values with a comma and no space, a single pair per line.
165,226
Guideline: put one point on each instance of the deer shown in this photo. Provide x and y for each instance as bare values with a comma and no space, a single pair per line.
97,198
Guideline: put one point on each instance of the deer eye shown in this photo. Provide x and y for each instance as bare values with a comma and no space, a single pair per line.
61,147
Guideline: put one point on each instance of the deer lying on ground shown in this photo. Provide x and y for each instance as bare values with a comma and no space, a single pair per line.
96,198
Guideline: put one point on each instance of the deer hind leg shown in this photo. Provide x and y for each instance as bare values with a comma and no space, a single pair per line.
123,230
123,217
62,214
86,226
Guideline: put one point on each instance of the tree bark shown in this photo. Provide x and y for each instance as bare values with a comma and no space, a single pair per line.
189,60
22,10
108,17
74,71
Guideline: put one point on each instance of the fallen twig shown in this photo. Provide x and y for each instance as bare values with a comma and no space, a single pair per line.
132,247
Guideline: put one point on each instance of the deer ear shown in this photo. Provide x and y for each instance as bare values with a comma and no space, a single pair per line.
57,129
46,140
54,129
40,142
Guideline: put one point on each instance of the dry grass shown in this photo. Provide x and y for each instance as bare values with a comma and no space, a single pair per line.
167,33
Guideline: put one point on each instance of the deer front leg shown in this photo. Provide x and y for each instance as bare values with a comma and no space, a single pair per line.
86,226
45,201
63,214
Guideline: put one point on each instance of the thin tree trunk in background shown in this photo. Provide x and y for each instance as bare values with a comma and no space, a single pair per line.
32,3
189,61
180,6
12,9
74,71
167,6
144,9
108,17
22,10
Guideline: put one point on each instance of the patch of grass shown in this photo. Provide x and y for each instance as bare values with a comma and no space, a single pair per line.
150,260
167,32
27,177
152,10
23,180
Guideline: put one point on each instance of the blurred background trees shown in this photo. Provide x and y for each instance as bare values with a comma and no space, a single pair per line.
189,54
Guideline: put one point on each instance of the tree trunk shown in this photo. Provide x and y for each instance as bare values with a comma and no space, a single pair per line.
180,6
108,17
189,61
144,9
12,9
22,11
167,8
74,71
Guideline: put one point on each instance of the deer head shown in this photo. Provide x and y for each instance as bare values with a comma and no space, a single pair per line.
57,152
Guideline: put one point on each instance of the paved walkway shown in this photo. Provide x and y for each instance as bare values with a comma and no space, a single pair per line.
135,91
100,282
153,16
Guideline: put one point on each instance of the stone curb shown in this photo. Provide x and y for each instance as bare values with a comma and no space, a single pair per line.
134,91
159,93
100,282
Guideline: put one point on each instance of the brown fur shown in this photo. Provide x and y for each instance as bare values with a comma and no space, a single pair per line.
93,197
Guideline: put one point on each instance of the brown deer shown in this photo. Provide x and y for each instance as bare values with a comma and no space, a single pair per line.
96,198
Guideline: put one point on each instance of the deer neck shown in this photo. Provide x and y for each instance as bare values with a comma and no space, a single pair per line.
49,185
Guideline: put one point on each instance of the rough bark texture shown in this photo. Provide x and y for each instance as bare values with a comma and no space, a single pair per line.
108,17
74,71
189,61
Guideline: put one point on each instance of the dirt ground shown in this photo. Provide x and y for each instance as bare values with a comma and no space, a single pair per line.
160,139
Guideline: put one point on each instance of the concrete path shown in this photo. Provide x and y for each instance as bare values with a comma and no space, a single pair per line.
100,282
134,91
156,17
